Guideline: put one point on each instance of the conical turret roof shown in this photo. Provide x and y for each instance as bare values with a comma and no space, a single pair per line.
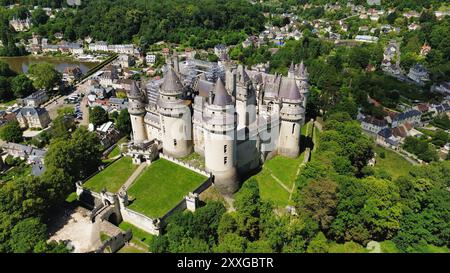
289,89
221,96
172,83
292,67
135,91
302,70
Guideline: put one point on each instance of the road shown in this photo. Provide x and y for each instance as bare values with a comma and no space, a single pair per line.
54,104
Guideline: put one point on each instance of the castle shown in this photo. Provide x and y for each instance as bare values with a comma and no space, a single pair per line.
233,117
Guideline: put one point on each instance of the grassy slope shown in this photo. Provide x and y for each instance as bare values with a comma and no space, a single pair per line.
393,163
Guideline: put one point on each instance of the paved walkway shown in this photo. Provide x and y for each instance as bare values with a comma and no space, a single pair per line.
133,177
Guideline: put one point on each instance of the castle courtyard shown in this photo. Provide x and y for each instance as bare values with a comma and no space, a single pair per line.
112,177
161,186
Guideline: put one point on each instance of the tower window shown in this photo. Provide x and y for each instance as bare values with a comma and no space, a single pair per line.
225,160
225,148
175,142
293,128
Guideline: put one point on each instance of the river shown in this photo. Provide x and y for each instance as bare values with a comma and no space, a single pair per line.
22,63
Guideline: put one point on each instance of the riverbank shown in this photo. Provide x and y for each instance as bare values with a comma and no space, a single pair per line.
20,64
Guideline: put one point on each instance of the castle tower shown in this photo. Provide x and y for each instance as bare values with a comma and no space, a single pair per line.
136,108
291,71
245,99
302,76
175,117
291,118
220,139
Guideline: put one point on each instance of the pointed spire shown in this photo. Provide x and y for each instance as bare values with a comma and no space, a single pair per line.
172,83
292,68
302,70
135,92
221,96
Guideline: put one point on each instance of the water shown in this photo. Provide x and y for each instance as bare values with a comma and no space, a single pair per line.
22,63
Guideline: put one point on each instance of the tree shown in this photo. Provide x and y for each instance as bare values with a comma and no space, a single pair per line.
78,156
27,234
231,243
319,199
206,220
247,204
260,246
39,17
22,86
98,115
44,76
11,132
124,122
5,89
368,208
318,245
425,198
62,125
227,225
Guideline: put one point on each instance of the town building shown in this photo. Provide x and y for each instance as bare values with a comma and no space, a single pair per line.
33,117
411,116
35,99
72,73
373,125
20,24
419,74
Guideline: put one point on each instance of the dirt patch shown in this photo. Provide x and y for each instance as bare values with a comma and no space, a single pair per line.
74,227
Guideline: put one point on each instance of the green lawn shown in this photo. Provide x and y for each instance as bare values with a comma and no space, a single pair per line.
130,249
116,151
271,190
283,168
113,177
161,186
16,172
393,163
140,237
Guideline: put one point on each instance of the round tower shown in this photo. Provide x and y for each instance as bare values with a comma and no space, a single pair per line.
136,108
175,117
291,118
220,140
245,99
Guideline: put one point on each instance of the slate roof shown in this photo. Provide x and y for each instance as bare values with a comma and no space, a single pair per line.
386,133
221,96
407,114
172,83
375,121
289,89
31,111
134,92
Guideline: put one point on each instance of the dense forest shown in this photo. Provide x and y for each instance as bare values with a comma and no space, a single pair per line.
199,24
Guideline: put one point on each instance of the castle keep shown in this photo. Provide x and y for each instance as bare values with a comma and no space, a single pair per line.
233,117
